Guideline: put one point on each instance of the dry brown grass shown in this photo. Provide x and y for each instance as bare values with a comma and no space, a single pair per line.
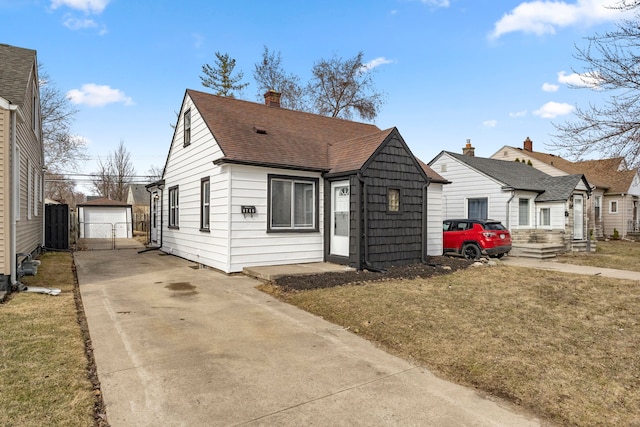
43,367
562,346
619,254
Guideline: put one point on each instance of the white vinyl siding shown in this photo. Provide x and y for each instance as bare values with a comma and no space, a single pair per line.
434,219
234,240
511,154
467,183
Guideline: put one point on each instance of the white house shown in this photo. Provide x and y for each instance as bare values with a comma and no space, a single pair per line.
534,206
249,184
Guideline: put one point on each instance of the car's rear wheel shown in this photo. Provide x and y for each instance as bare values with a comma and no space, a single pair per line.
471,251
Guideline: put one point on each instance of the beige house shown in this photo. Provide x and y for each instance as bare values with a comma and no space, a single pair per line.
613,205
21,162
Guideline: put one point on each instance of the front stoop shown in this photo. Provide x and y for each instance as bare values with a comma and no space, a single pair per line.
537,250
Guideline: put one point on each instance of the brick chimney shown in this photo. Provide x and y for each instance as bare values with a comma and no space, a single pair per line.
528,144
468,150
272,98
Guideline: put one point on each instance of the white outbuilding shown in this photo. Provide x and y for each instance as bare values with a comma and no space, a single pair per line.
105,219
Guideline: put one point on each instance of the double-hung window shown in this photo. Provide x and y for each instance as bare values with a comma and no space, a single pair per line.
205,203
187,127
596,209
545,217
293,203
173,207
477,208
613,206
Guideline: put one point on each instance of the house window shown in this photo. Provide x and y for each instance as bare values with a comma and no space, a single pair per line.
393,200
35,119
523,211
205,208
613,206
545,217
29,189
478,208
596,207
187,127
173,207
293,204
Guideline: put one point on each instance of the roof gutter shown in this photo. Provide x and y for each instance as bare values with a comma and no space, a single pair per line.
226,160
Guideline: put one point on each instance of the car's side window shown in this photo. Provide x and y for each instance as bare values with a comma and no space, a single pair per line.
446,226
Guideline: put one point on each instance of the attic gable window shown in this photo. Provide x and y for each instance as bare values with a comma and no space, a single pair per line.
187,127
292,204
393,200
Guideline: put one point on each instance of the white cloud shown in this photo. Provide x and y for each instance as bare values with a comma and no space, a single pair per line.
490,123
198,40
376,63
548,87
87,6
545,17
79,24
437,3
518,113
590,80
551,110
95,95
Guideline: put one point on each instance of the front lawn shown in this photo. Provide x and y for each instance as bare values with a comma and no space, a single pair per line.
564,347
619,254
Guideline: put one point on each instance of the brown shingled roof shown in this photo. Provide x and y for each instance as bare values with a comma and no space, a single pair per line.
255,133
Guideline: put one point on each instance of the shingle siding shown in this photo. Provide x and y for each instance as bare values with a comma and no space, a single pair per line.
394,238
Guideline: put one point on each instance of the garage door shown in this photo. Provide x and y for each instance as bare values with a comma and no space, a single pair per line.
101,222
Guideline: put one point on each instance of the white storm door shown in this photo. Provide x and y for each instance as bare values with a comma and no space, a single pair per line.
155,198
339,218
578,218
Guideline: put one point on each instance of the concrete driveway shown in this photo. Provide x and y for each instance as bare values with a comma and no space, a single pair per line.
180,346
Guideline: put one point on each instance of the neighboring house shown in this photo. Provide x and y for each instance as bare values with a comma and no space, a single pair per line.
249,184
21,162
613,205
104,219
534,206
138,198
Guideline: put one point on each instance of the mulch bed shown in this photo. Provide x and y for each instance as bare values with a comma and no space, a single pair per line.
434,266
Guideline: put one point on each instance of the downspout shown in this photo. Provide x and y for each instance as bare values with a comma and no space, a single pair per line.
15,183
425,220
513,194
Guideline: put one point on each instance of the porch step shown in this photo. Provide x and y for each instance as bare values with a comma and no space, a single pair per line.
537,250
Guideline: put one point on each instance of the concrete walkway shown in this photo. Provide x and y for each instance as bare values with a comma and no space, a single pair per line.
181,346
554,265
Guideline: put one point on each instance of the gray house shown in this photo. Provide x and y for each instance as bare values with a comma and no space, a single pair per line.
536,207
21,162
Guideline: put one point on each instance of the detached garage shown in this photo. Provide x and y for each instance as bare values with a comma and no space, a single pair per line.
104,219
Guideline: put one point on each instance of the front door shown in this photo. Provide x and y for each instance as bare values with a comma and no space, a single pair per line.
155,201
339,244
578,218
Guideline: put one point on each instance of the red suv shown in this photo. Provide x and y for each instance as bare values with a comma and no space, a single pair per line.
474,237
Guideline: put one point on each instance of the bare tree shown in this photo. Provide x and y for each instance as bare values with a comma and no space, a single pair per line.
339,87
62,150
612,128
155,173
269,74
114,175
220,78
61,189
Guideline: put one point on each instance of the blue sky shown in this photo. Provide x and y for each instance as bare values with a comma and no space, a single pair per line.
491,71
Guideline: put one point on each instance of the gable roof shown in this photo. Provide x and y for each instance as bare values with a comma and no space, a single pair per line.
252,133
520,176
16,64
139,194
